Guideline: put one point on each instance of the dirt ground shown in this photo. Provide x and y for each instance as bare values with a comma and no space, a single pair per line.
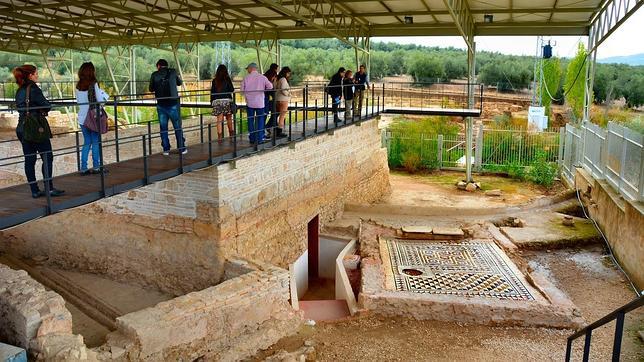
438,189
585,274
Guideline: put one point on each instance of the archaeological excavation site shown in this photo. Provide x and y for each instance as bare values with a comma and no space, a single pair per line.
328,255
297,181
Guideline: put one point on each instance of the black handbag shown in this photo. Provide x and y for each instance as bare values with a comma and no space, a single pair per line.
35,128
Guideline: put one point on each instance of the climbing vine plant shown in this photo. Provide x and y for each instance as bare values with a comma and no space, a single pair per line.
575,81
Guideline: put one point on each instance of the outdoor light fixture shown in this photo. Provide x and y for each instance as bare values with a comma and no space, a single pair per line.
207,28
129,32
488,18
65,36
299,23
409,19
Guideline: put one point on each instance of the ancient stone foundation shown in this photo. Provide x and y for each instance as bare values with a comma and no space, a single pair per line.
230,321
174,235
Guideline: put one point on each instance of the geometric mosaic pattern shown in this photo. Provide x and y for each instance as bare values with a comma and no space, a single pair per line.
473,268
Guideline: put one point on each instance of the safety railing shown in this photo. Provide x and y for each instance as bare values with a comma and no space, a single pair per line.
428,95
618,316
302,119
615,154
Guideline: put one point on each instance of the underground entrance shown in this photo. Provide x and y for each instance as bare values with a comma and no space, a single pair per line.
320,276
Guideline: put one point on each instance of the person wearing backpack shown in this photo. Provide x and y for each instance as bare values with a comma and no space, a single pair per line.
88,93
32,109
164,84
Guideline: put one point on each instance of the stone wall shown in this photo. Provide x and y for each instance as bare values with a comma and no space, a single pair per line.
227,322
175,234
622,222
159,236
36,319
266,201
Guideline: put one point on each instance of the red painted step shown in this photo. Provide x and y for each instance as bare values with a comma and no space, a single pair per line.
324,310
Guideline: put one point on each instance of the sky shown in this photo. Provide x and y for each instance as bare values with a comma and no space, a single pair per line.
618,44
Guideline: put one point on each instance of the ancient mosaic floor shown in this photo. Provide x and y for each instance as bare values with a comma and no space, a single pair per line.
470,268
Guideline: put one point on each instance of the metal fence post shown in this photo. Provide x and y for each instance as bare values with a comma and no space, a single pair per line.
47,178
116,130
210,144
201,127
316,116
562,141
439,146
146,179
78,161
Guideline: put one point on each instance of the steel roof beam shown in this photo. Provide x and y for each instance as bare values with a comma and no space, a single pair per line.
610,17
338,25
463,20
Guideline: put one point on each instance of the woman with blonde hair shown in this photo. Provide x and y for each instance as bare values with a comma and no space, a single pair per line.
282,96
33,106
88,93
221,99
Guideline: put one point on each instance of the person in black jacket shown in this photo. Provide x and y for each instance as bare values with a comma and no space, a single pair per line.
334,88
26,77
164,84
221,99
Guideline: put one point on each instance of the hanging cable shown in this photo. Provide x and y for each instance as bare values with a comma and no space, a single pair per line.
569,89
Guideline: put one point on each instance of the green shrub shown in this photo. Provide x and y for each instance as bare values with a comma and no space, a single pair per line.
413,143
411,162
541,171
515,170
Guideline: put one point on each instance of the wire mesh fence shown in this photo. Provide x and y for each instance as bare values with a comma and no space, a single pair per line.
492,149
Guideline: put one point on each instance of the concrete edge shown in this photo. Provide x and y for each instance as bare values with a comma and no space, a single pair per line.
342,283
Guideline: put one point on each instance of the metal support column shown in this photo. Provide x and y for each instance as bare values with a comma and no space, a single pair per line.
65,57
469,122
119,62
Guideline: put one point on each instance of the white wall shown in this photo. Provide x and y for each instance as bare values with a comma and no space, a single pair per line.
330,248
301,272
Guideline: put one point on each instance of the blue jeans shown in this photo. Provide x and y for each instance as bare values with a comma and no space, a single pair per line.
256,118
90,141
171,112
272,120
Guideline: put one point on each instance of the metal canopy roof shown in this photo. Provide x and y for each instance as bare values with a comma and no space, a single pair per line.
80,24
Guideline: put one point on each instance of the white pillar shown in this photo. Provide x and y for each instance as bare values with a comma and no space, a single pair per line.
469,123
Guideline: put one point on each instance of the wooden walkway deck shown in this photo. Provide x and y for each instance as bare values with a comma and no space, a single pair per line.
17,206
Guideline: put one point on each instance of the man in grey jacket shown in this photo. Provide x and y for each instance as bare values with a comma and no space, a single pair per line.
164,84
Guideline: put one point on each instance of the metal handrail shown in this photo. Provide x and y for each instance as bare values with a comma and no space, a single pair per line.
618,315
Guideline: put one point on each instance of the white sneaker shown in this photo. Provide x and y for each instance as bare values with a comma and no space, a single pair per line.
185,150
166,153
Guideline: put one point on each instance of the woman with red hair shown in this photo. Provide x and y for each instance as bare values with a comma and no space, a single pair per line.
87,84
29,96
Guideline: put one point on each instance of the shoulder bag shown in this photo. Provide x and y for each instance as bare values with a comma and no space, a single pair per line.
92,121
36,128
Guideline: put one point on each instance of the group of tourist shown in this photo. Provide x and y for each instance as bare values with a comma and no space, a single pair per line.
267,97
344,85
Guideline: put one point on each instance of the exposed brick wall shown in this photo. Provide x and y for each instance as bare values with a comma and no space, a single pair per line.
227,322
266,202
174,235
36,319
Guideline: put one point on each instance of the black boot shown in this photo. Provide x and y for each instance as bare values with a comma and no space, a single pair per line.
280,133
